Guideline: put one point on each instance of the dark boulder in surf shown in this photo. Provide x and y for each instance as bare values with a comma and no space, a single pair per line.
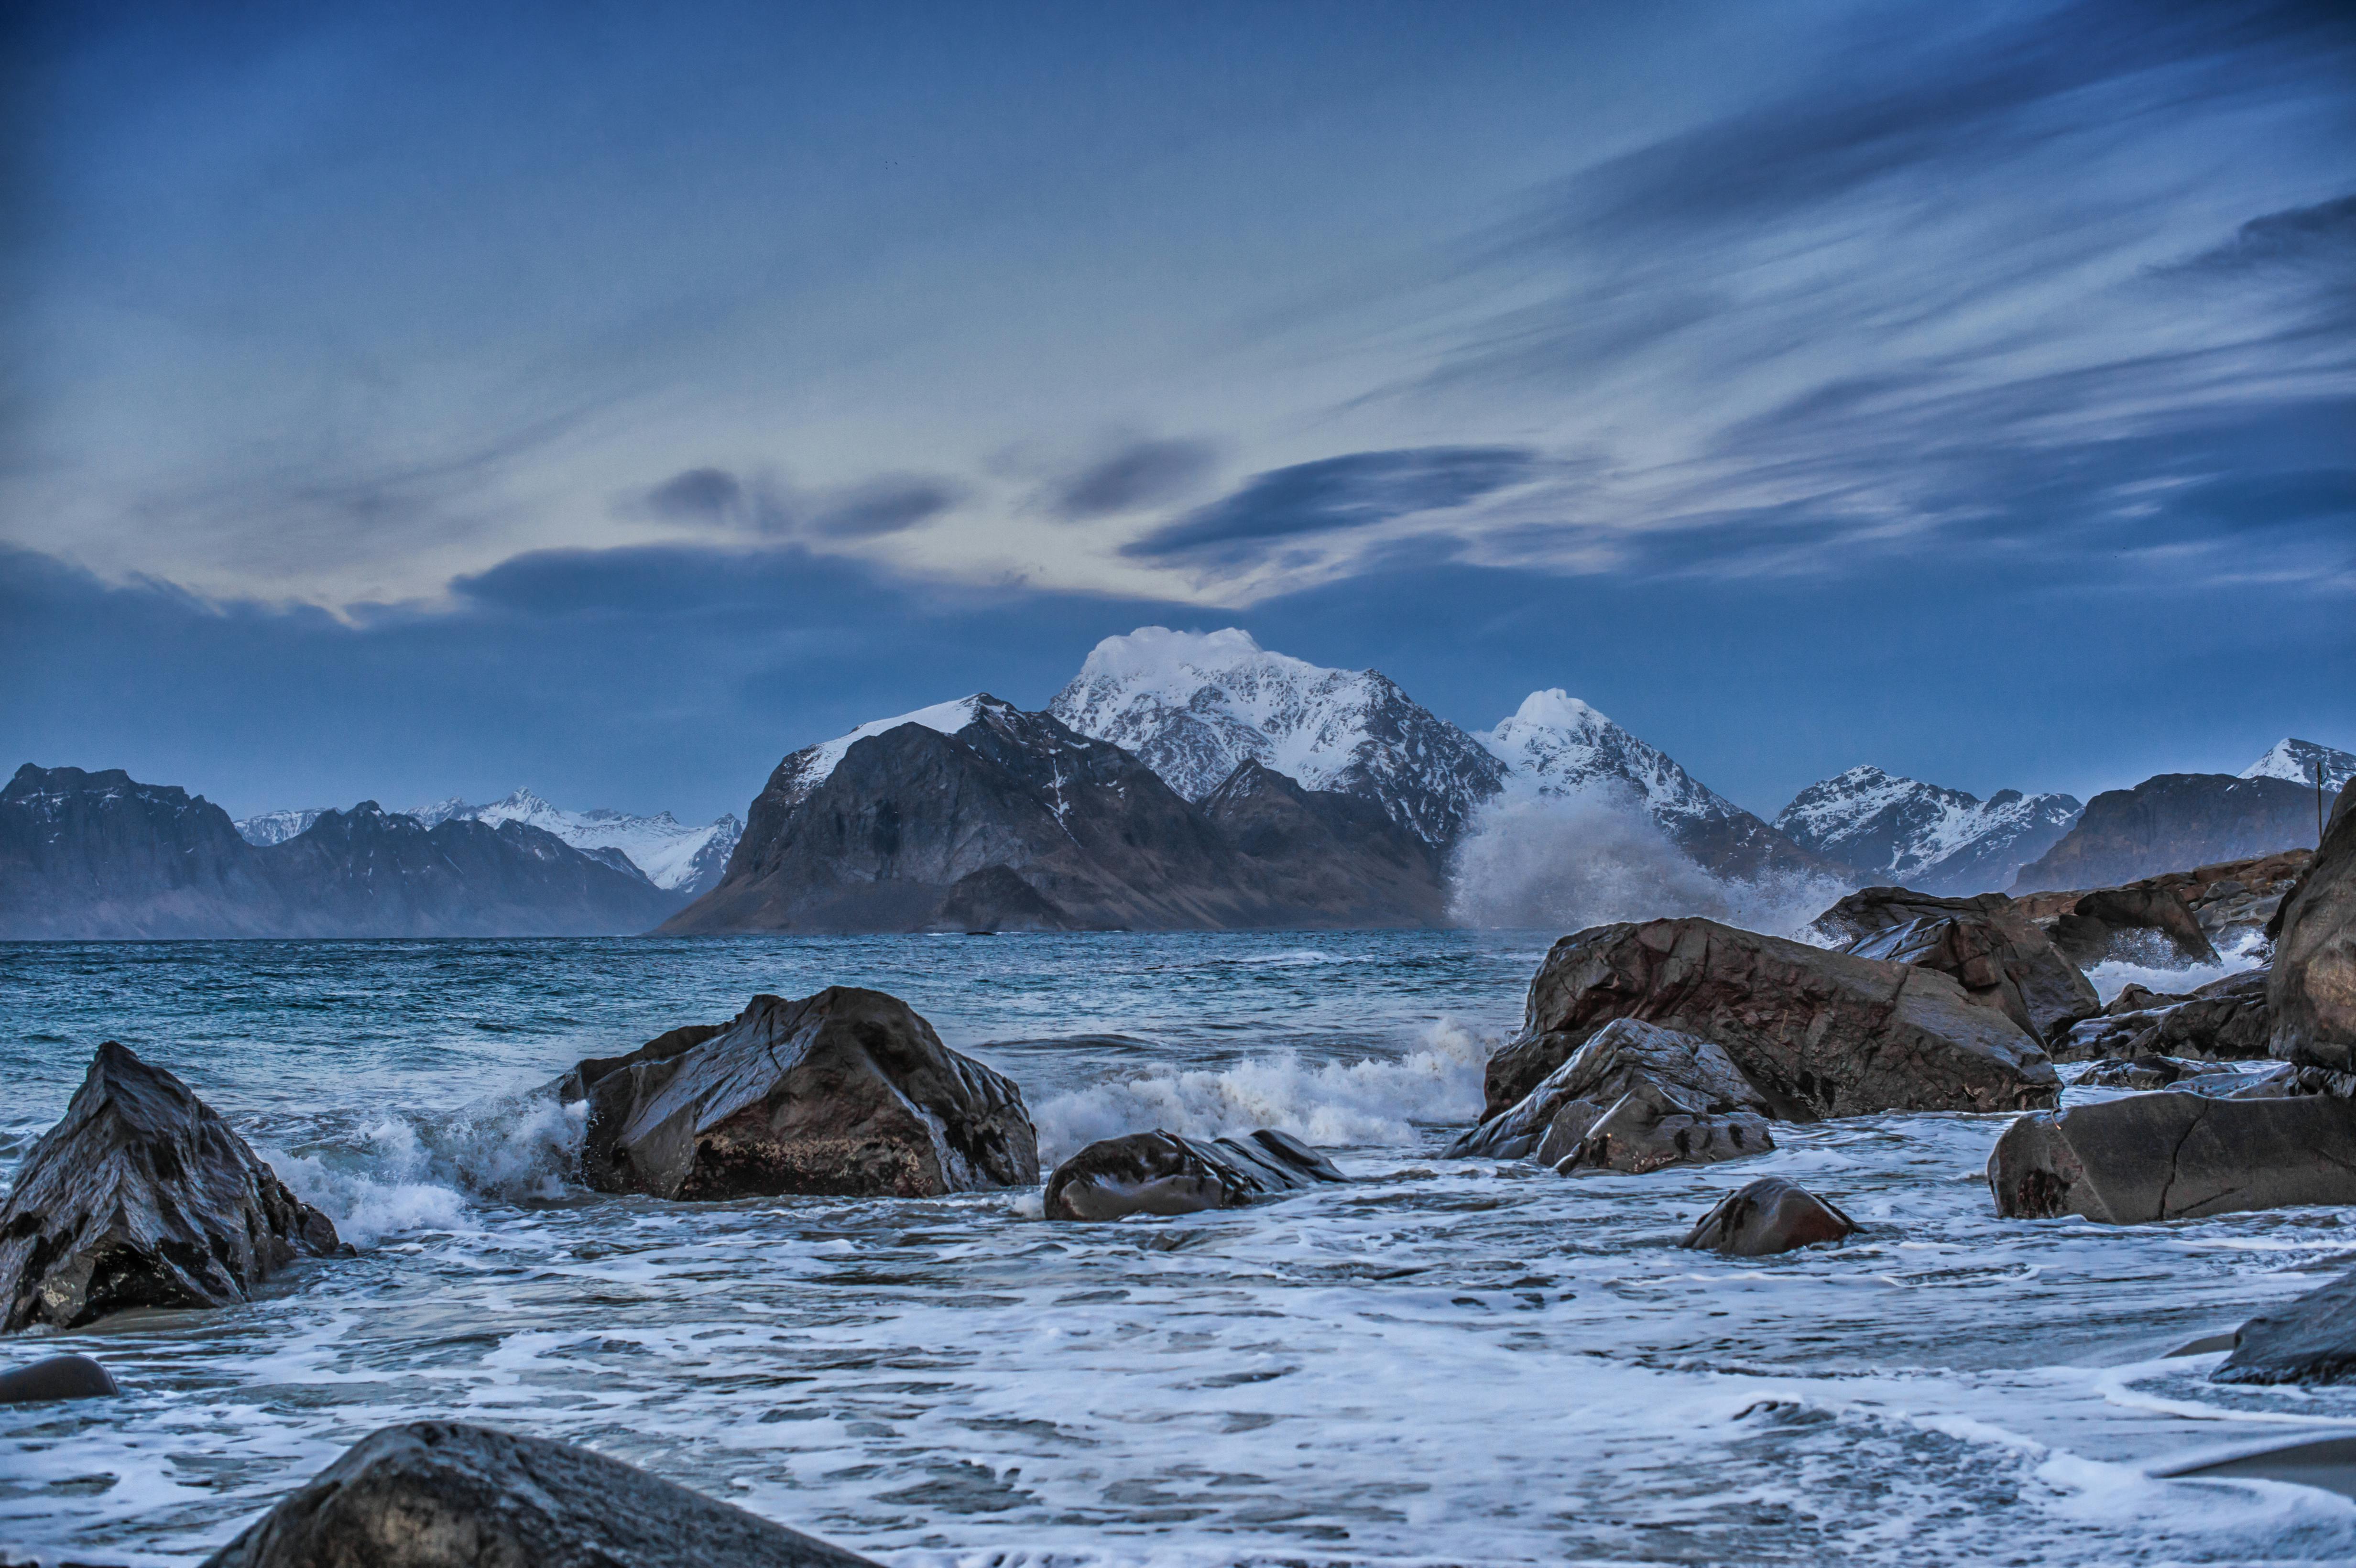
439,1494
1985,943
59,1377
846,1093
1770,1215
2309,1340
1815,1033
1634,1098
2174,1156
143,1197
1169,1173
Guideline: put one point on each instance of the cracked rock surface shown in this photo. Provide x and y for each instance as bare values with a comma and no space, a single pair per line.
2169,1155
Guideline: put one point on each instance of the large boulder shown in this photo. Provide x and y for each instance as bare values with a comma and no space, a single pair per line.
1814,1033
2225,1021
2309,1340
143,1197
1635,1097
2171,1156
1770,1215
2313,996
439,1494
1169,1173
2148,922
846,1092
1984,944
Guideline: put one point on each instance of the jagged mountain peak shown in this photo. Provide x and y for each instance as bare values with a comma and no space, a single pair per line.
1194,705
2295,760
1893,828
1556,745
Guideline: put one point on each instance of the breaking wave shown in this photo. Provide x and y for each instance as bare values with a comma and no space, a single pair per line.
1374,1102
1571,862
403,1173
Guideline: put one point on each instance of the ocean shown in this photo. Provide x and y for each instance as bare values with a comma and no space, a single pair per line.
1441,1362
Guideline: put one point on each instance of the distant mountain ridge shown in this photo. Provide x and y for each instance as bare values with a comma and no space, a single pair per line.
673,855
1012,821
101,856
1895,831
2176,822
2296,761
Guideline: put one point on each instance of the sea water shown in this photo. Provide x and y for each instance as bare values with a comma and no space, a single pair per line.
1444,1362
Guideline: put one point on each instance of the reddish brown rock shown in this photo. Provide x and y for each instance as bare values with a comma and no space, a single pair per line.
1984,944
2313,997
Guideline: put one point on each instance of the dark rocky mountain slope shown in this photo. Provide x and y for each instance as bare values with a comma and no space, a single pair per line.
99,855
2172,821
913,827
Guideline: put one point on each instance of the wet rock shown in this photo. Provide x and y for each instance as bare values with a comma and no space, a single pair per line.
1814,1033
2328,1464
59,1377
2225,1021
1984,944
2313,994
143,1197
1169,1173
438,1494
2126,921
2169,1155
1770,1215
1650,1126
846,1092
2140,1073
1614,1059
2135,998
2309,1340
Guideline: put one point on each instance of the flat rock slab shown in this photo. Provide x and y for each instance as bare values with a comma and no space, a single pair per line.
2171,1156
1815,1033
143,1197
1771,1215
2328,1463
437,1494
846,1093
59,1377
1169,1173
2309,1340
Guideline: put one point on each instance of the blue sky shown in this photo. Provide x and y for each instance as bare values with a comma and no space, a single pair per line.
412,400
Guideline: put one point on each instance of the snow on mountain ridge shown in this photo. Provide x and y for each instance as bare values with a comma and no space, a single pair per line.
2295,760
1556,746
1194,706
670,854
269,828
1927,837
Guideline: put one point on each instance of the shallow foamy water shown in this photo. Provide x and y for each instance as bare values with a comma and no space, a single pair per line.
1445,1362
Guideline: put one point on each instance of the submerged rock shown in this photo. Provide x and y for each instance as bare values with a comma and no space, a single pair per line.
1985,943
846,1092
143,1197
2169,1155
1169,1173
2313,993
1770,1215
2140,1073
2225,1021
1635,1097
1814,1033
439,1494
2309,1340
59,1377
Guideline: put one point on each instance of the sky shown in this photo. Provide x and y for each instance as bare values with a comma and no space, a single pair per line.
401,401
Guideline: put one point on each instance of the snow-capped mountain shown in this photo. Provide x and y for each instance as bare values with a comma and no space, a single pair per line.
667,852
276,826
1921,835
1555,747
2296,761
802,771
1194,706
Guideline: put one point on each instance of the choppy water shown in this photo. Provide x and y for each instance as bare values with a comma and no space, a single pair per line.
1445,1362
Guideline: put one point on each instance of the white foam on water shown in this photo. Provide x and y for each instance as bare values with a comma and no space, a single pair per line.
405,1174
2155,969
1371,1102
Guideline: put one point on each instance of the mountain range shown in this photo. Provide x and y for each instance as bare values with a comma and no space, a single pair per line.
1899,831
101,856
